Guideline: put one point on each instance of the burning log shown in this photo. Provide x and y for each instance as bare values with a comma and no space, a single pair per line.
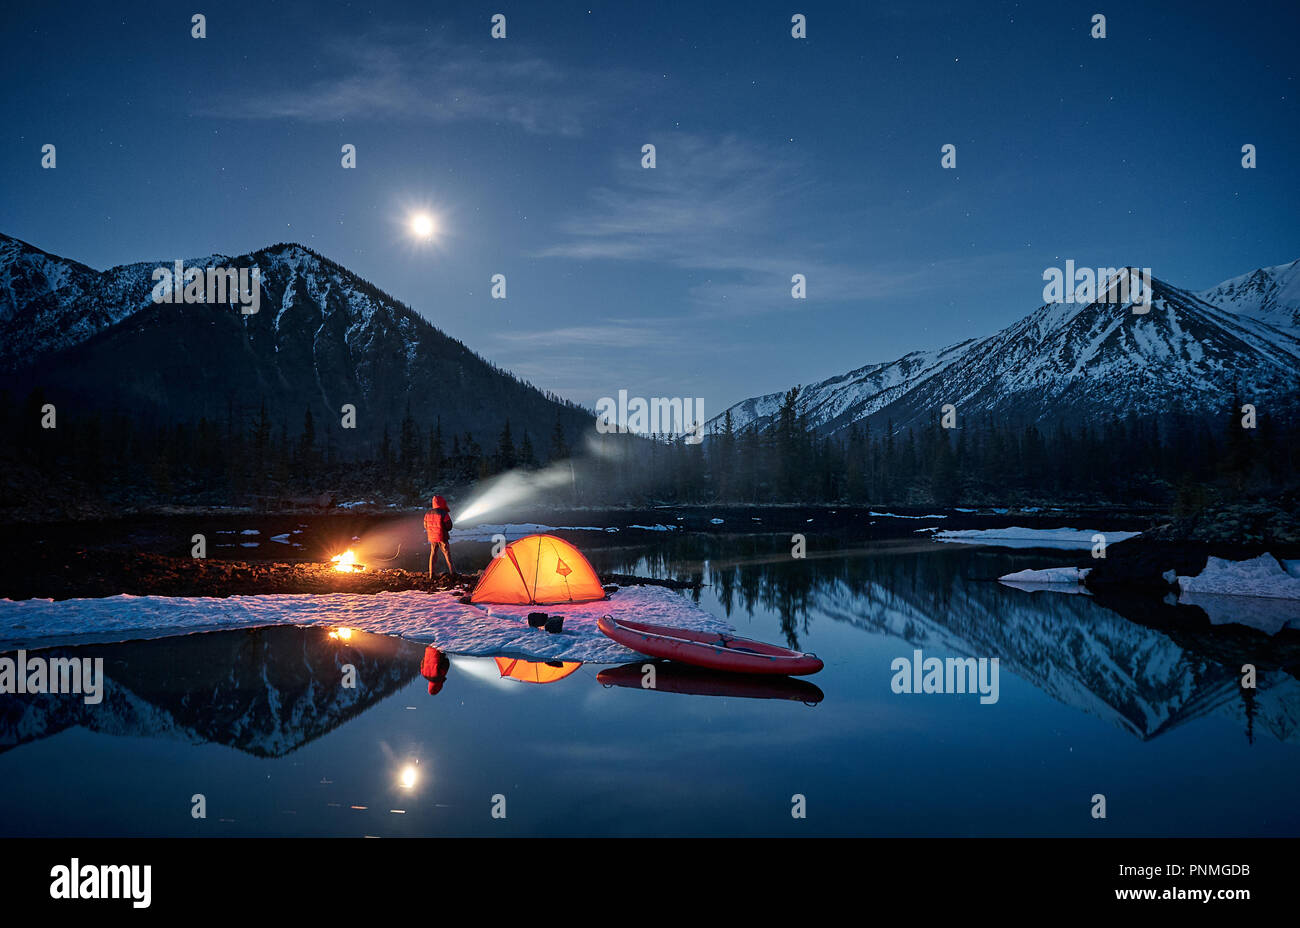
346,563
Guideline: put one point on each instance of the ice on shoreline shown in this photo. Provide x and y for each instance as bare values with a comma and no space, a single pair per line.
1018,537
514,530
1048,575
894,515
431,618
1264,576
1261,593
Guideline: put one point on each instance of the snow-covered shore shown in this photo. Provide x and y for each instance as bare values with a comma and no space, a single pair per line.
1263,576
514,530
1048,576
432,618
1265,587
1017,537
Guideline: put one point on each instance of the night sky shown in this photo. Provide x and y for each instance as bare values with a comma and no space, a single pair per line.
775,156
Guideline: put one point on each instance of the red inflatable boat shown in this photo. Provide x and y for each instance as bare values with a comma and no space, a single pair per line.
709,649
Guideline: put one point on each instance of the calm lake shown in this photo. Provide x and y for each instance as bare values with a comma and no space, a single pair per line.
1090,701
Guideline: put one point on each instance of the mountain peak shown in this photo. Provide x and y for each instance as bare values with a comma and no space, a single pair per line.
1268,294
1069,362
322,337
289,250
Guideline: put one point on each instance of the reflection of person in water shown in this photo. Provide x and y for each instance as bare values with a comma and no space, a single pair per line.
434,668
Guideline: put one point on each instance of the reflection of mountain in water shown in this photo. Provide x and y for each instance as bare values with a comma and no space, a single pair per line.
265,691
1145,666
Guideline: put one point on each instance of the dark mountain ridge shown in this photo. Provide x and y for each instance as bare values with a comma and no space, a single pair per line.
323,338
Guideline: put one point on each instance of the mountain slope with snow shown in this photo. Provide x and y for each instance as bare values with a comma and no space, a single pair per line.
323,337
1069,363
1268,294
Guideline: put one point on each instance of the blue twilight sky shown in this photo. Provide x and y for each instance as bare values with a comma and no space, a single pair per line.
775,156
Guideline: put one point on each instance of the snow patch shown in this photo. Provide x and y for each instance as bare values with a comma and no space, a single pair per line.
1048,575
892,515
1261,576
1017,537
513,530
434,618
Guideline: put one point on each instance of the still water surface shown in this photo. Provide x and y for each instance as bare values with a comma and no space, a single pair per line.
1142,705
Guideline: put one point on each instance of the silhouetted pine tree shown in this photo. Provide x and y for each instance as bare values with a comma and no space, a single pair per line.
527,457
559,449
504,459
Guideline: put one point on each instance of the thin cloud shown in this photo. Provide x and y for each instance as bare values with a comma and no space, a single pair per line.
729,208
613,335
393,77
701,191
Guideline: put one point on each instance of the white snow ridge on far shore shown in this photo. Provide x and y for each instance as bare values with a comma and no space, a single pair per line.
515,530
1261,576
1018,537
1048,575
431,618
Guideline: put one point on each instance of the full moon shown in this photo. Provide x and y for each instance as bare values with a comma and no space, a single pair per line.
422,225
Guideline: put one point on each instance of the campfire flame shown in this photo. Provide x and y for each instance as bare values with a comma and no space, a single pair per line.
342,633
347,563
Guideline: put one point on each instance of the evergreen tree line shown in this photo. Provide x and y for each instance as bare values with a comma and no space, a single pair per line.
1161,460
1172,460
249,456
1169,460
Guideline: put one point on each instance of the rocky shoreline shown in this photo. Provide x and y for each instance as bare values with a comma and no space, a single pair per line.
83,572
89,573
1184,545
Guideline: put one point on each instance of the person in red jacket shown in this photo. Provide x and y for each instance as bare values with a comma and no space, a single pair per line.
437,526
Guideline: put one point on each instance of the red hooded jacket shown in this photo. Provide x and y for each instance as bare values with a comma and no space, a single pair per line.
437,524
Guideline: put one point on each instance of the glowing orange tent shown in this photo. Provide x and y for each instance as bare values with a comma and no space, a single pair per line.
535,671
538,570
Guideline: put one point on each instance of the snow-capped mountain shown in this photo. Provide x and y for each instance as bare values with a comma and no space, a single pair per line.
1067,362
1269,294
48,303
322,337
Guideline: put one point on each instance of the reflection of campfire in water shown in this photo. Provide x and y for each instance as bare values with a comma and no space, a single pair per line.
347,563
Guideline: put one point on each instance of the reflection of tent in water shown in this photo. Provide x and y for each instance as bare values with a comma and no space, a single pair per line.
537,570
535,671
